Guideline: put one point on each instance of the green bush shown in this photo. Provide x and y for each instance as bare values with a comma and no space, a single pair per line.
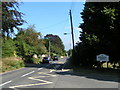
8,48
36,60
17,64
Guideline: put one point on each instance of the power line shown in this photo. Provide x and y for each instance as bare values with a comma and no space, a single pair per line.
54,25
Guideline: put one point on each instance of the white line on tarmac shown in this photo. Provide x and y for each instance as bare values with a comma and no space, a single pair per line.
27,74
11,71
40,68
48,65
6,83
43,82
51,70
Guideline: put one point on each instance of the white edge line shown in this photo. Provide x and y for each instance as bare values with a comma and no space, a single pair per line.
6,83
40,68
27,74
11,71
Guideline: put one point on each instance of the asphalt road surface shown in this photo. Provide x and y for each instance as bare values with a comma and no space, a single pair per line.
52,75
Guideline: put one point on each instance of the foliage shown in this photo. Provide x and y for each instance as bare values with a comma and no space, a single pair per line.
11,63
28,43
56,44
36,60
40,48
8,47
100,33
11,17
69,52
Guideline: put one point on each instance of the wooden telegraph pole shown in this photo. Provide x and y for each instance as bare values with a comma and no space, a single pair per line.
72,30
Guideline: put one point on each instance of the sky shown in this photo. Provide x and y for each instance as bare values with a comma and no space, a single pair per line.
53,18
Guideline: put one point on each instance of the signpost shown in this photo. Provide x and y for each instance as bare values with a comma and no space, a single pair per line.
103,57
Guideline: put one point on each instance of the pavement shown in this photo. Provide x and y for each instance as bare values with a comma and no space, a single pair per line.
54,75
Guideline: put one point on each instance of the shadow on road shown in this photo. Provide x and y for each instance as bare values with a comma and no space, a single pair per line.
56,66
97,74
35,65
101,75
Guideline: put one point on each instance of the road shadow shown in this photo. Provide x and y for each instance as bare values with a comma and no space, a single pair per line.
111,75
97,74
56,66
35,65
102,74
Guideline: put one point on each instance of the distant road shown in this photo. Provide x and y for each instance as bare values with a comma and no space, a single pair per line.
51,75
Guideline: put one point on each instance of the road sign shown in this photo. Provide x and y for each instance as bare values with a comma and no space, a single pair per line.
102,57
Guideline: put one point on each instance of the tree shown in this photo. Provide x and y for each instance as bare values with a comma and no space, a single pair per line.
11,17
100,29
29,42
8,48
56,44
69,52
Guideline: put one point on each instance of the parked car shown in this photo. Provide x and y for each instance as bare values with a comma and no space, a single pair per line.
55,58
45,60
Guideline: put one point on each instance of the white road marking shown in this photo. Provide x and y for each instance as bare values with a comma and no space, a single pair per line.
51,70
6,83
11,71
47,74
66,69
30,85
27,74
47,65
36,79
40,68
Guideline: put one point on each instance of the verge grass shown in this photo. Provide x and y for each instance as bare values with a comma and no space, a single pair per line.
97,71
11,63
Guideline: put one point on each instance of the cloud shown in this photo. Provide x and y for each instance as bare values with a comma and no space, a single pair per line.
74,28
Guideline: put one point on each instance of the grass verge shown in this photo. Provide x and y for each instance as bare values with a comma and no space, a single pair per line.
97,71
11,63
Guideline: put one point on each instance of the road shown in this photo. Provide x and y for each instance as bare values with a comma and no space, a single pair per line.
52,75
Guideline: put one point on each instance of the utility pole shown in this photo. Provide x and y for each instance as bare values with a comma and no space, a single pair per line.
49,48
72,29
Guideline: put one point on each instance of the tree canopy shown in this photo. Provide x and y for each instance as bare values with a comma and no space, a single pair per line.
100,32
30,42
11,17
56,44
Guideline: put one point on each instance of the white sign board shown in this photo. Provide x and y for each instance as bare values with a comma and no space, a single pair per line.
102,57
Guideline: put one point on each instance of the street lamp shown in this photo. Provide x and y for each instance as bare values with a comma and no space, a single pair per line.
70,42
70,37
66,33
